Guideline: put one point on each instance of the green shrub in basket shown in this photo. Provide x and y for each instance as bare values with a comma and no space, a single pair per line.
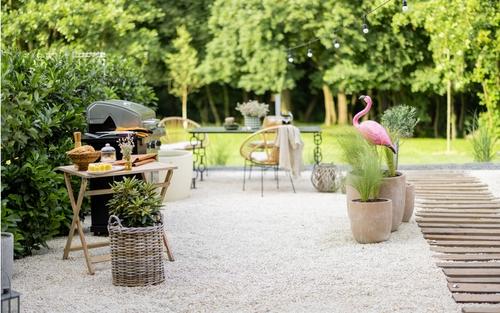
135,202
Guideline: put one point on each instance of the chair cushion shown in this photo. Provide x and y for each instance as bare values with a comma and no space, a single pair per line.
259,156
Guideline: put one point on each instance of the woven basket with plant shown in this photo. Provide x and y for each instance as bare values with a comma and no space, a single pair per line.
136,234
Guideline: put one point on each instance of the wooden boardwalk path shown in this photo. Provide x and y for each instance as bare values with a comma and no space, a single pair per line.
460,219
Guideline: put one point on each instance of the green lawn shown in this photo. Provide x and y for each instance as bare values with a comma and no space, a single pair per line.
224,149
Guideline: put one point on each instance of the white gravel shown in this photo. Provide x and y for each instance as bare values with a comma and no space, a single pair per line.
238,252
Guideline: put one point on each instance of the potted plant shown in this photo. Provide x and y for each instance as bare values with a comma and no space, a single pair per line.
136,233
400,121
370,216
252,112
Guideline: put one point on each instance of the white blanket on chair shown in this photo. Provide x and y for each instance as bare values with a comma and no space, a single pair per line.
290,149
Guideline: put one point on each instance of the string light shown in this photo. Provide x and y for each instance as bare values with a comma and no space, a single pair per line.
405,6
336,43
365,26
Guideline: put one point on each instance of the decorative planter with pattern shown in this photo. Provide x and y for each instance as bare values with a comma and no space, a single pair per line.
252,122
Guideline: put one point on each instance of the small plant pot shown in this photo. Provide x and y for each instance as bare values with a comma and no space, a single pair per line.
370,221
7,260
394,188
252,122
409,202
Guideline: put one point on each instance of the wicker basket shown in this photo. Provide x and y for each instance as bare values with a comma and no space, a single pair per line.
136,254
82,160
324,177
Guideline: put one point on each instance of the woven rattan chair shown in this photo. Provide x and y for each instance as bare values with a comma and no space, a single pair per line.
259,150
177,134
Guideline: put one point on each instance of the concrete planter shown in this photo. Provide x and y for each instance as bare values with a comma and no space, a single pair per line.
394,188
409,202
370,221
7,260
180,185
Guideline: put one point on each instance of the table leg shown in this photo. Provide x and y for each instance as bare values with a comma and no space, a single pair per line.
318,156
75,222
166,183
199,154
194,145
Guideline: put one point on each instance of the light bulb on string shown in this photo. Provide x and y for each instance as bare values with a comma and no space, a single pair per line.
309,53
405,6
290,57
365,26
336,44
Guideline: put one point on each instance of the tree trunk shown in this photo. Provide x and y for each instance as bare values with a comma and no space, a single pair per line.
213,108
245,96
342,104
330,113
310,108
286,101
184,102
436,119
226,101
462,114
448,116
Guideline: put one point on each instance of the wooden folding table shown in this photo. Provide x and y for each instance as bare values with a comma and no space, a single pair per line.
76,224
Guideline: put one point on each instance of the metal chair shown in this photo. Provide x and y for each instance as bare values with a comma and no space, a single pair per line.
177,136
259,150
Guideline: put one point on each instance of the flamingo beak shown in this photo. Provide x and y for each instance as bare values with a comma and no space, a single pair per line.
362,98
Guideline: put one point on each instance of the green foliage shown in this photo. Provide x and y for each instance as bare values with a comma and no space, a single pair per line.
483,142
183,64
400,120
365,175
44,98
135,202
119,27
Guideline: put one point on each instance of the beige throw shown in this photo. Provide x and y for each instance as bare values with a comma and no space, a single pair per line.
290,149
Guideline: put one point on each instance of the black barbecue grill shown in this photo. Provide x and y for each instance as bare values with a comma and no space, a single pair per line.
103,120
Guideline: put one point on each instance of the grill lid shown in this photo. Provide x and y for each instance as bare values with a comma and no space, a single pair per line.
123,113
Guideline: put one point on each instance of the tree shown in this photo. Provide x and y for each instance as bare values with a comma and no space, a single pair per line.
182,66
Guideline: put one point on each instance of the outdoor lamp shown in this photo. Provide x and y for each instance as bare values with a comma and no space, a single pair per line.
405,6
365,26
290,57
309,53
336,44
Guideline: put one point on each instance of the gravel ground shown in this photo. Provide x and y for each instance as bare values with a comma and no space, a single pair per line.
238,252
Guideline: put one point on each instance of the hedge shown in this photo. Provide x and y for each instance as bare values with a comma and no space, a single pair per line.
44,97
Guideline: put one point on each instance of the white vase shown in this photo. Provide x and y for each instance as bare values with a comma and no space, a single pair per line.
252,122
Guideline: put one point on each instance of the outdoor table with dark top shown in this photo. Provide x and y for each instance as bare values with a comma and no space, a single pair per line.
199,151
76,204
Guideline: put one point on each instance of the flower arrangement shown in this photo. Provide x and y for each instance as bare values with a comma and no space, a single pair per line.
253,108
126,145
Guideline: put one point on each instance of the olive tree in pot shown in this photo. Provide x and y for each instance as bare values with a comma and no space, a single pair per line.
400,121
369,215
136,234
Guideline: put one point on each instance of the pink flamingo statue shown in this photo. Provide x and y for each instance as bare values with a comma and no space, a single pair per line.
371,130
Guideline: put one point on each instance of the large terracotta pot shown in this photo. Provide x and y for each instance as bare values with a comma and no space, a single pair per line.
409,202
370,221
394,188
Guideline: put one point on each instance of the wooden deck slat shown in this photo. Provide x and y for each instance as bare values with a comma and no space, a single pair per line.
474,298
459,225
469,257
457,231
460,237
465,250
474,288
468,264
472,219
465,243
481,309
472,272
479,280
455,215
